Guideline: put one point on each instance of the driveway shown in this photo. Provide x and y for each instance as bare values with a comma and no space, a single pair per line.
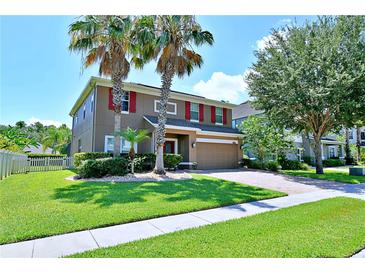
279,182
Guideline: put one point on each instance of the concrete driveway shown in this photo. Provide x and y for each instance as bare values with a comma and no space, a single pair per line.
279,182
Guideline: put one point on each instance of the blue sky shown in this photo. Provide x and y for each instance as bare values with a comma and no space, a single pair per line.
40,79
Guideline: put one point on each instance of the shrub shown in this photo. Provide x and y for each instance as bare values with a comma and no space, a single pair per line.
96,168
333,162
82,156
39,155
256,164
245,161
171,161
290,164
272,165
308,160
305,166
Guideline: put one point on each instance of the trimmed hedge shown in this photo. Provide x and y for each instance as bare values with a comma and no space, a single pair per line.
292,164
101,167
142,163
82,156
333,162
40,155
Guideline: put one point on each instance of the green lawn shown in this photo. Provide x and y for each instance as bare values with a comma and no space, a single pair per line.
331,175
328,228
43,203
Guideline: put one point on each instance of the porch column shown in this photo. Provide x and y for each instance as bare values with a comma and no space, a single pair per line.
322,151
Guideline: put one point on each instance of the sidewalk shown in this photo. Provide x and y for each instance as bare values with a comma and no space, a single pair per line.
66,244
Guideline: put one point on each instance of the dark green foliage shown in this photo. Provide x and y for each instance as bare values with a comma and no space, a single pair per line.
308,160
272,165
40,155
142,162
171,161
101,167
292,164
82,156
333,162
255,164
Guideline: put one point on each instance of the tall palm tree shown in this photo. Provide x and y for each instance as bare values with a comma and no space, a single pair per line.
134,137
175,37
106,40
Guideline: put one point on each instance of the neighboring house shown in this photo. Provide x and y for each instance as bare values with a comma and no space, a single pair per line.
353,136
198,128
331,147
37,150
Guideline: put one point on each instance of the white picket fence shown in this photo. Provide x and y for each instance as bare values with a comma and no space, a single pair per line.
13,163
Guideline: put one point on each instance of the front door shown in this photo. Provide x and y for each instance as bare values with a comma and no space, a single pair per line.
169,147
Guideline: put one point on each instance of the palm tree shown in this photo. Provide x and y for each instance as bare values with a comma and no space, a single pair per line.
176,36
56,138
133,137
109,41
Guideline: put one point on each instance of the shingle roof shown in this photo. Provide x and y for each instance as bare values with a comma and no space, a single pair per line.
188,124
244,110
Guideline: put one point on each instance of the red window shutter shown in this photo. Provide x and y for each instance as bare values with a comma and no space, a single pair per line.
224,116
212,114
201,112
187,110
132,101
110,104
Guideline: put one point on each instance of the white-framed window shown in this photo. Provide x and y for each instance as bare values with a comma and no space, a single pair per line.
125,102
218,116
79,145
76,119
124,145
194,112
92,103
332,151
171,107
84,112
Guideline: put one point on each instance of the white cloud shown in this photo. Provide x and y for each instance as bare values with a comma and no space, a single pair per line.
221,86
264,41
32,120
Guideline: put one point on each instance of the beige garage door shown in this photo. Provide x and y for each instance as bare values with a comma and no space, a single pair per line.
212,156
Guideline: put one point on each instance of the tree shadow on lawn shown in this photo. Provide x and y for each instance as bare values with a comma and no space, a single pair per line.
217,191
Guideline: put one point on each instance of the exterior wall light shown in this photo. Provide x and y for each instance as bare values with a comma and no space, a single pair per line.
193,144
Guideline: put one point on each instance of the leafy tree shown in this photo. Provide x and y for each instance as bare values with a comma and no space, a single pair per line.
309,78
264,139
13,138
175,36
110,41
134,137
56,138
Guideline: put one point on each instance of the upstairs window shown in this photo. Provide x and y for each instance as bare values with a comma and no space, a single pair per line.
84,112
79,147
219,116
194,112
92,103
171,107
76,119
125,102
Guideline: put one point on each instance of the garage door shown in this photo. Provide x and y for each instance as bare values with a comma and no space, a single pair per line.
214,156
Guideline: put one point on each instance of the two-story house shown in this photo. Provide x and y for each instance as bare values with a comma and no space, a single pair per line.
331,147
353,136
198,128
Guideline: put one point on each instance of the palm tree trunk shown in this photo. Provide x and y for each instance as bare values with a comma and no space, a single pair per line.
358,143
318,154
166,80
117,102
347,147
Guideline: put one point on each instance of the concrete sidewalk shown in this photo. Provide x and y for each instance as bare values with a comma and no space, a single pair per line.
66,244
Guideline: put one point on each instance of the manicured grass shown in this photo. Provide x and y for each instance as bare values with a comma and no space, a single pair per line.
331,175
328,228
44,203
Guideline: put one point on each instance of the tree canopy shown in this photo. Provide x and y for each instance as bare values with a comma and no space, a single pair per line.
312,78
